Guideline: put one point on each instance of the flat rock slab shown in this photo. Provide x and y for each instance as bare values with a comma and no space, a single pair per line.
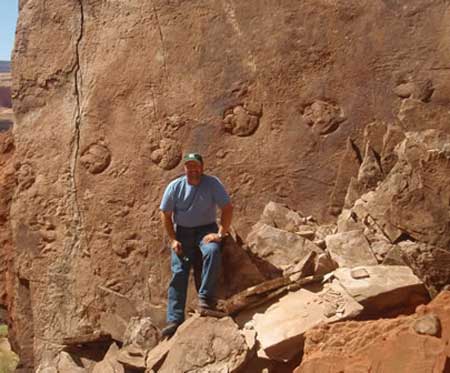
350,249
280,329
280,248
384,287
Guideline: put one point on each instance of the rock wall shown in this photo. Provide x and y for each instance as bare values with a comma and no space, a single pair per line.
108,95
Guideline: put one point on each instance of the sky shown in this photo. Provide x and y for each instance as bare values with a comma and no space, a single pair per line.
8,19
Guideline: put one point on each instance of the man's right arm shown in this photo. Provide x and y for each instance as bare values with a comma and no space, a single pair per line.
175,245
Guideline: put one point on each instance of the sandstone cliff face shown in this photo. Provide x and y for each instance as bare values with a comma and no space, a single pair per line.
108,95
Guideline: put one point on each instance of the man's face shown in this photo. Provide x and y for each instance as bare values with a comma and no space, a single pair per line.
193,171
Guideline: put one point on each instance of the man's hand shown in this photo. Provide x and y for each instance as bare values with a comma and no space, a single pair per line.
176,247
212,237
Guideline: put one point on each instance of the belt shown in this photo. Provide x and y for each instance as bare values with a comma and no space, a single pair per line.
195,228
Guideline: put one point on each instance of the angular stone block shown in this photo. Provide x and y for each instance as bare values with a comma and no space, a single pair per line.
350,249
385,287
280,248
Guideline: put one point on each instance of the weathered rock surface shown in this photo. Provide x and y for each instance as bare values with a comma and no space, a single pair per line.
7,187
386,345
271,117
431,264
412,199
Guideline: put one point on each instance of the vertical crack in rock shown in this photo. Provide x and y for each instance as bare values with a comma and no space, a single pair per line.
161,38
76,138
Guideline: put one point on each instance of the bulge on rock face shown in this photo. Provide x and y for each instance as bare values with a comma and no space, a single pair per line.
96,158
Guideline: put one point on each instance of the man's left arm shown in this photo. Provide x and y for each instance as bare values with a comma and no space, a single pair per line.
224,226
225,219
222,199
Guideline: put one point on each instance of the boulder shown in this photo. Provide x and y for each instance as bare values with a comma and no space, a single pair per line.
385,345
382,288
204,345
280,327
280,248
429,325
141,332
350,249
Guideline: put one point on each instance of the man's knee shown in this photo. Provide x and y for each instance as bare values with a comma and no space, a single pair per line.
211,249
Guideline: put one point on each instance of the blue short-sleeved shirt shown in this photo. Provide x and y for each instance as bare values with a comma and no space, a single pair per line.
194,205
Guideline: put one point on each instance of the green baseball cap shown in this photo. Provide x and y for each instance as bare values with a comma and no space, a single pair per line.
196,157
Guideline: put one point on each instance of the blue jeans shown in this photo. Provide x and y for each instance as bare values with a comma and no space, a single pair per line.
193,246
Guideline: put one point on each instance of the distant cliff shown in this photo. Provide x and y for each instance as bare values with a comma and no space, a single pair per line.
5,66
6,114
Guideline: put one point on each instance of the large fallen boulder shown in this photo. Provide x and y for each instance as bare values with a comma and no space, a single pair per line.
387,345
280,327
382,288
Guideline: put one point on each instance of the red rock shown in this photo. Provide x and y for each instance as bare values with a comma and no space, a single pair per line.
385,345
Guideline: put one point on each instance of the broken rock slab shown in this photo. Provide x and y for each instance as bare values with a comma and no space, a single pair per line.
280,328
280,248
350,249
381,288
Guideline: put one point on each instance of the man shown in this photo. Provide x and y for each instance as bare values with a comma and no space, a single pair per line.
188,212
